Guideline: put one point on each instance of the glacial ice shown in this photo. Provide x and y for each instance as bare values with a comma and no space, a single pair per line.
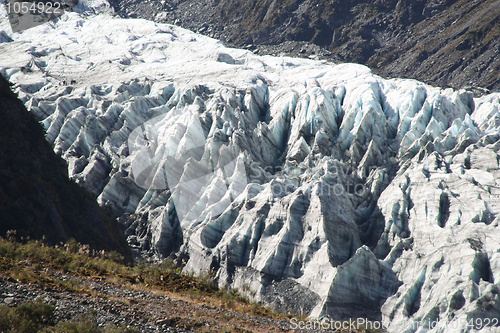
368,197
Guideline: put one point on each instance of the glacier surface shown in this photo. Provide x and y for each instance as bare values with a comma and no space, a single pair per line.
322,187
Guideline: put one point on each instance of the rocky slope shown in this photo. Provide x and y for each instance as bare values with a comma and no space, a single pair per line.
106,304
293,178
66,289
36,197
441,42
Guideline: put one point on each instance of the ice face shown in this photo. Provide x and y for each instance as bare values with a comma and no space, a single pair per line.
171,152
357,192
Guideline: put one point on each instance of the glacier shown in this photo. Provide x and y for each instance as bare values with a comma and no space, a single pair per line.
315,187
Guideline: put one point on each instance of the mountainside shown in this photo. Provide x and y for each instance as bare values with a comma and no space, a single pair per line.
66,289
322,188
452,43
36,196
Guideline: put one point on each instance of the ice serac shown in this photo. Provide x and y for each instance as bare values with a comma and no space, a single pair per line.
455,197
318,188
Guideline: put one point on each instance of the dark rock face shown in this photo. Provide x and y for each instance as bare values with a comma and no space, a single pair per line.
36,197
441,42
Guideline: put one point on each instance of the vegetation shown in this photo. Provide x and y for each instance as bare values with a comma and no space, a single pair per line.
72,267
39,317
35,262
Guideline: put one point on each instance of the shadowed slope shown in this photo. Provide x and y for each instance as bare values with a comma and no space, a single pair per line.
36,197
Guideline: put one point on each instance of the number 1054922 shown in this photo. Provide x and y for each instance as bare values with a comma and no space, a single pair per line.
33,8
